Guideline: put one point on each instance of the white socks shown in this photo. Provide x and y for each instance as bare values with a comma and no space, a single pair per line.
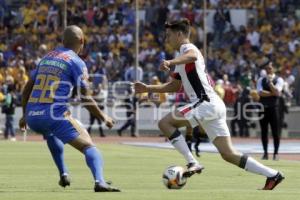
181,146
258,168
248,163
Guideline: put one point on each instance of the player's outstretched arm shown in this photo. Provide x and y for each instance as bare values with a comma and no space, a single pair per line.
25,96
171,86
188,57
92,107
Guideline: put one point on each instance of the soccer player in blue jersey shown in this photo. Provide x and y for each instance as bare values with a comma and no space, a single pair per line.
45,110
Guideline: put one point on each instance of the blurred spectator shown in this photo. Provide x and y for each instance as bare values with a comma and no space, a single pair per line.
254,38
3,63
219,26
52,18
270,89
8,108
100,99
100,93
129,103
242,114
293,42
231,91
150,15
297,86
134,74
219,88
3,7
28,13
163,12
26,32
2,96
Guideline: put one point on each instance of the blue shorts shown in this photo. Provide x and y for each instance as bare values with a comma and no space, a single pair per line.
66,129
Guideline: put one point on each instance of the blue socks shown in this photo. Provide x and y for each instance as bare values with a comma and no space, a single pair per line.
92,156
56,147
94,161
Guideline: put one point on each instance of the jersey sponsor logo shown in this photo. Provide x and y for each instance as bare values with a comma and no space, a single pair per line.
36,113
54,63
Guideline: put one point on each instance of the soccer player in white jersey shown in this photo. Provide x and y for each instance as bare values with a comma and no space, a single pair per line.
205,107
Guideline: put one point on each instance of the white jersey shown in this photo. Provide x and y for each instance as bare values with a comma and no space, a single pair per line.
211,111
196,83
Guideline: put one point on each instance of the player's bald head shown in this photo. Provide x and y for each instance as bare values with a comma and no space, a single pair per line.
73,37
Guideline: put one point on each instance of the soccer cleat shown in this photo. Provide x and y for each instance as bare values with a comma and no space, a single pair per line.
64,181
107,188
273,181
193,168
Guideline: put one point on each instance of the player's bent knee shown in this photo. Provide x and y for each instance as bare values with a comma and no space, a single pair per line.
164,127
84,147
81,144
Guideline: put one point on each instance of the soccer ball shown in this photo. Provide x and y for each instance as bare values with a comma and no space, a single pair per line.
172,177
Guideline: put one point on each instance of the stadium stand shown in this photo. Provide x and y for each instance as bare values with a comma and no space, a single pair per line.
30,28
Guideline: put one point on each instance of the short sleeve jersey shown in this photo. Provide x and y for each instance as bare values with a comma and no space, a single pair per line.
195,81
56,75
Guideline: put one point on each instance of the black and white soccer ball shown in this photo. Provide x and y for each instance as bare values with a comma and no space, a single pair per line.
173,177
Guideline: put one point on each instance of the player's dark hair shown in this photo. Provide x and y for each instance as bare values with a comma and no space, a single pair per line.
182,25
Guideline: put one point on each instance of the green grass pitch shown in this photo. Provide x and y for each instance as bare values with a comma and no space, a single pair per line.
27,172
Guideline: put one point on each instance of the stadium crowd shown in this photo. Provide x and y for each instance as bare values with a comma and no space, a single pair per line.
234,54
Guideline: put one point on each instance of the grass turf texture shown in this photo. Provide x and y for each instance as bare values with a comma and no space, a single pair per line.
27,172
